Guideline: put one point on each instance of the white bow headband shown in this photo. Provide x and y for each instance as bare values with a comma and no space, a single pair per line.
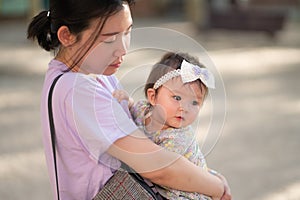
188,73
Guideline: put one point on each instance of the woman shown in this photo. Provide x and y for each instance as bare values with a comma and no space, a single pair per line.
93,131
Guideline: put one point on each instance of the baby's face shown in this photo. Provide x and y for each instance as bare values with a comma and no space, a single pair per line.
178,104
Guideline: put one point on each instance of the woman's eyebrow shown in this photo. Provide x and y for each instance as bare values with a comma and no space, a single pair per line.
115,33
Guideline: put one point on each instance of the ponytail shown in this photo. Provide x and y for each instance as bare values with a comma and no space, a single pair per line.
40,29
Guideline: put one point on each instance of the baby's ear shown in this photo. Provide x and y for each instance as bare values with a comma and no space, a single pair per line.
151,96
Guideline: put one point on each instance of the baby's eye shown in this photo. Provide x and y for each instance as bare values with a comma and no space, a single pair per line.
195,103
110,39
177,98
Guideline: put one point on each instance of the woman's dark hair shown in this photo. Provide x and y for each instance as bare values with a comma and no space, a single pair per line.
76,15
170,61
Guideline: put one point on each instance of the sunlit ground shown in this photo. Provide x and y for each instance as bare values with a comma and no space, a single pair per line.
259,141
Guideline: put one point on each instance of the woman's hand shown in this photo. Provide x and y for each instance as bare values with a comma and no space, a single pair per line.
227,192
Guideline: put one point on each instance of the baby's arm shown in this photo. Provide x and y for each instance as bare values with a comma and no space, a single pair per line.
121,95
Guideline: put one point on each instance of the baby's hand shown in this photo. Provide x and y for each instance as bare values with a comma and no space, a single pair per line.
121,95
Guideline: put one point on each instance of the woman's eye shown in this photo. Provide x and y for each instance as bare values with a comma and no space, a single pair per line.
127,32
177,98
110,39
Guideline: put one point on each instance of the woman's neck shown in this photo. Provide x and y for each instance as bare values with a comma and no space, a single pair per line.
62,59
68,63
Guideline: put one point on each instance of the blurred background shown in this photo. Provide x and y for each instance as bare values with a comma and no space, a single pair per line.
255,46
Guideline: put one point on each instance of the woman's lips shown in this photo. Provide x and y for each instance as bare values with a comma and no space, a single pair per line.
116,65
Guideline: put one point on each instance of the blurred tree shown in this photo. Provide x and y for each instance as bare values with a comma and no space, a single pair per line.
150,8
35,7
198,11
45,4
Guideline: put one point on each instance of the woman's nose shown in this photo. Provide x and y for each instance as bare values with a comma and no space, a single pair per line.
122,46
121,51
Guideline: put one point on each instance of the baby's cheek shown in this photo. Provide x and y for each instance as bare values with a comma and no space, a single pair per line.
194,114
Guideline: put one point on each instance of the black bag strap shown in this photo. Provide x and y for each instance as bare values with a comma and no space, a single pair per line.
52,130
149,187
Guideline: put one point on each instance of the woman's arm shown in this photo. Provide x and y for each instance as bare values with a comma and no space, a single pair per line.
227,193
164,167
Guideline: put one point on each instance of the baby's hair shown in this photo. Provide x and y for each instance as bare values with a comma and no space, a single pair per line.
76,15
169,62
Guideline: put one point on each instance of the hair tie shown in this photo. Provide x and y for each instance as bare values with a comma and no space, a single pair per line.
48,37
48,14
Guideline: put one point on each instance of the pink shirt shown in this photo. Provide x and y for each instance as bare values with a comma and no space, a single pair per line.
87,121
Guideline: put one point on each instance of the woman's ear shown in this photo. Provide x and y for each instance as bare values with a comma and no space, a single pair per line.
151,95
65,37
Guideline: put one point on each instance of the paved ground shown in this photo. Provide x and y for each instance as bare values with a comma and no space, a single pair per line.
259,146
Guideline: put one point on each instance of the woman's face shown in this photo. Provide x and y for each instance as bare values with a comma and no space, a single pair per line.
106,55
